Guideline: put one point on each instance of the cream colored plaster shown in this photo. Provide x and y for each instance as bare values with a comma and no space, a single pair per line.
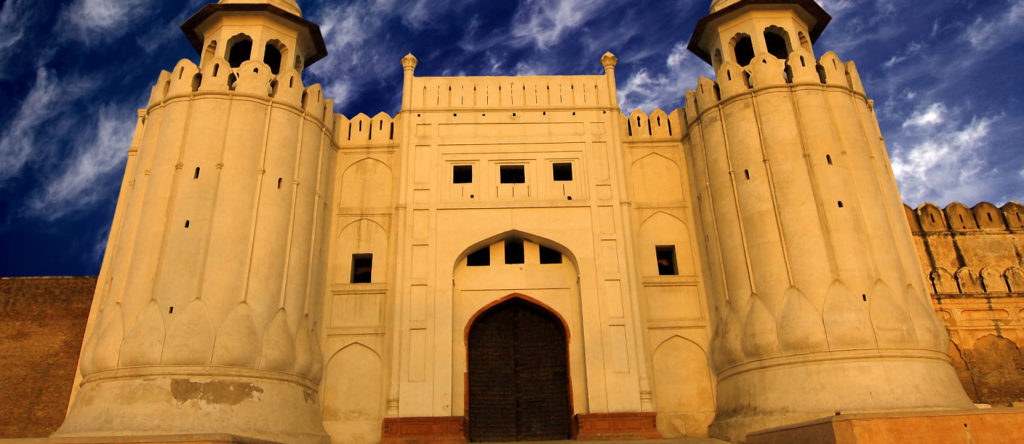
795,291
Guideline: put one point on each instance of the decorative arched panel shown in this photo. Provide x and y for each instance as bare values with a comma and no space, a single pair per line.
366,184
352,395
992,281
943,282
662,229
363,236
683,394
968,281
656,178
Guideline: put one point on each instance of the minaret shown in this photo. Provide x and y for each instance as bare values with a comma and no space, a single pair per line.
818,301
205,319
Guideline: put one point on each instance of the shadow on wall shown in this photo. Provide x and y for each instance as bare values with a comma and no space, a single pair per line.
991,370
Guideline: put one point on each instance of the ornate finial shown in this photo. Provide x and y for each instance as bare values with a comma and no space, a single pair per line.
409,61
608,60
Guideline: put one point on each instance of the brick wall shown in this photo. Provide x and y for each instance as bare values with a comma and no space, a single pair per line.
42,321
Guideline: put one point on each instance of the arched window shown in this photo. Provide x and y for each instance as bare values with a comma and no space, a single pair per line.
239,50
743,49
298,63
716,60
776,40
272,55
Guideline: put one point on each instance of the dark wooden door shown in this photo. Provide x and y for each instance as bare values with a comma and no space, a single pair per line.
518,375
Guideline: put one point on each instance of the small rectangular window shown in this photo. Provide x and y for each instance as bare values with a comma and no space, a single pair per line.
549,256
462,174
479,258
362,268
514,251
513,174
666,260
562,171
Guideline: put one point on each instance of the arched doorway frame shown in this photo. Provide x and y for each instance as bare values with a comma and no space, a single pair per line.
570,314
539,304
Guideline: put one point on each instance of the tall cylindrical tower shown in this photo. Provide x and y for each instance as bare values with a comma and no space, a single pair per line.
207,321
819,302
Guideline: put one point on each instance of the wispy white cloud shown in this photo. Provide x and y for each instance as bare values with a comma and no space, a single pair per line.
667,88
544,23
13,20
932,115
98,21
938,158
18,139
98,153
986,33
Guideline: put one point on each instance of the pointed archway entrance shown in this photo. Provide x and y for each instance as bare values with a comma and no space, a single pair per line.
518,375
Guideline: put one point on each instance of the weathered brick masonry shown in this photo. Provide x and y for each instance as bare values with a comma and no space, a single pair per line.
42,321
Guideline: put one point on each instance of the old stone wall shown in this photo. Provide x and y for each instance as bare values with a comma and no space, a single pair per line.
42,321
973,258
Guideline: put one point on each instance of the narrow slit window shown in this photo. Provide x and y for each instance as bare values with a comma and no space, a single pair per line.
479,258
514,251
362,268
513,174
462,174
562,171
666,255
549,256
196,175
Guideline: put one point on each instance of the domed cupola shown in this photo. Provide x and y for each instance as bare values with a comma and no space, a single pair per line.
716,5
271,31
738,31
287,5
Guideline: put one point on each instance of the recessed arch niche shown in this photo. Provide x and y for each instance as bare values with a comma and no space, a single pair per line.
553,286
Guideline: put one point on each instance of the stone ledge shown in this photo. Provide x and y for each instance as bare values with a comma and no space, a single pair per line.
433,430
982,426
609,426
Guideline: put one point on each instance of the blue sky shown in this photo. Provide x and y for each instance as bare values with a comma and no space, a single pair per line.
945,77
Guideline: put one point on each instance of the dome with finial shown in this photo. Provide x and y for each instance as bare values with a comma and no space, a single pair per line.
717,5
287,5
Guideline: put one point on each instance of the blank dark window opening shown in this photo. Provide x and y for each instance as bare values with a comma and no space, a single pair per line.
744,51
666,260
513,174
776,45
479,258
549,256
562,171
462,174
514,251
362,268
239,53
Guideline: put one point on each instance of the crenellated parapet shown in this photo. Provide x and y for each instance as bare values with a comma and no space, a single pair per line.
363,131
767,74
970,251
958,218
641,127
251,80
